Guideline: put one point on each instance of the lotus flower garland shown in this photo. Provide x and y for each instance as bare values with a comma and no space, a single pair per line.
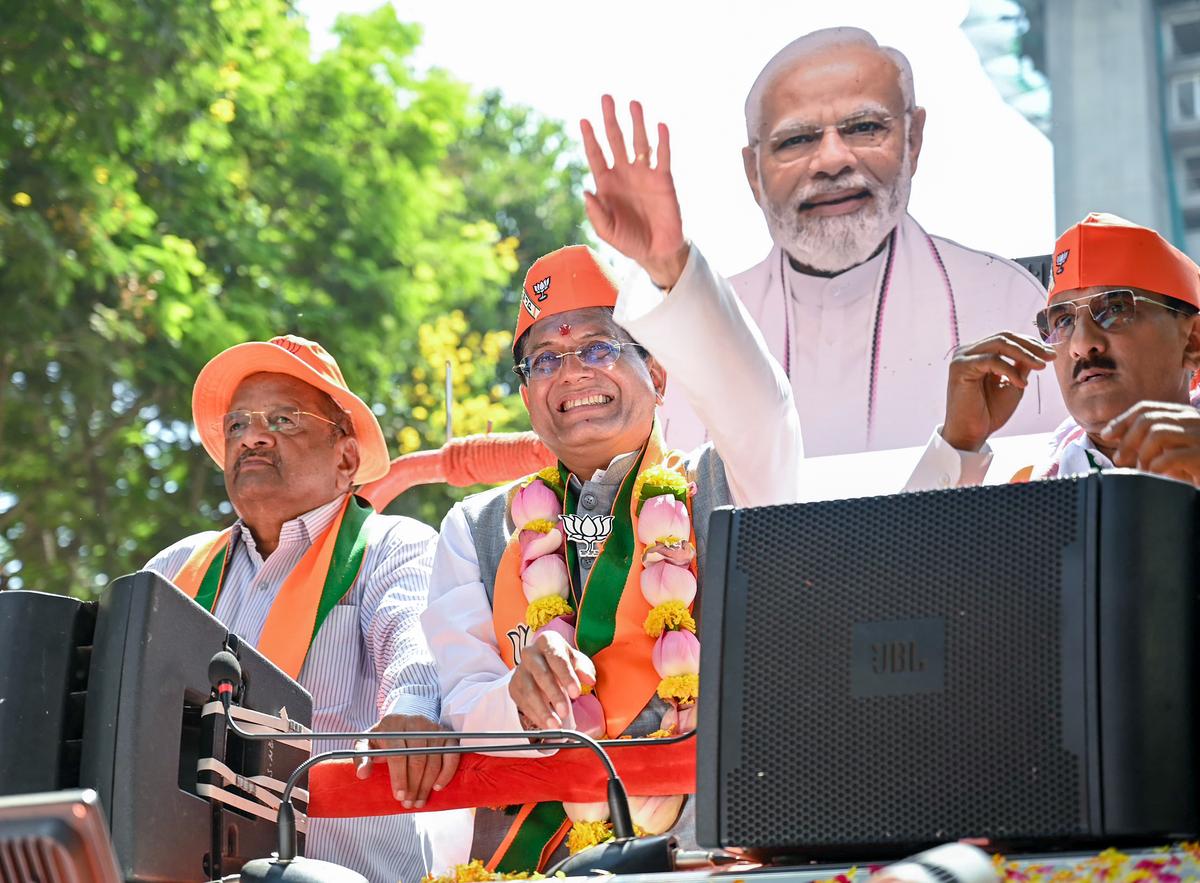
669,587
655,815
535,509
668,584
535,503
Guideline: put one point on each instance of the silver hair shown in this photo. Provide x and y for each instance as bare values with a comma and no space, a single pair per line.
810,44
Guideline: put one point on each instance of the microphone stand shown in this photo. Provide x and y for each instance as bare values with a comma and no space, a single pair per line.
225,672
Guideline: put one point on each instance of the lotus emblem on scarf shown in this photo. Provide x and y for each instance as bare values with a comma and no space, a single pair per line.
519,638
589,531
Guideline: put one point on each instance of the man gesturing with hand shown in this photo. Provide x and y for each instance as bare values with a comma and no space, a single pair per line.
1121,330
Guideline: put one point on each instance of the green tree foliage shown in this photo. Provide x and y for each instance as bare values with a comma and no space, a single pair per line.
180,175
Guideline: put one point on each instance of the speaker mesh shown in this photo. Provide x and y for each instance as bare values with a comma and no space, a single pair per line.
985,755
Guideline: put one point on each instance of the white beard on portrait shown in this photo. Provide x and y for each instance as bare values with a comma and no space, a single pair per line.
839,242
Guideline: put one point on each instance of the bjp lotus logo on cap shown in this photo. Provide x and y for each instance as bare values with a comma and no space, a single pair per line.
540,288
1060,261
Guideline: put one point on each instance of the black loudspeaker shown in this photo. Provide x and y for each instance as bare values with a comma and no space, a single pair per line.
144,731
1014,662
45,651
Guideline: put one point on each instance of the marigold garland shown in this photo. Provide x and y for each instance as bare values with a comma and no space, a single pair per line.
669,615
541,611
475,872
587,834
679,688
541,525
550,477
659,480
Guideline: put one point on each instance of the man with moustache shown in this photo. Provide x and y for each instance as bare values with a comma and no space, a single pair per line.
860,305
324,587
1121,328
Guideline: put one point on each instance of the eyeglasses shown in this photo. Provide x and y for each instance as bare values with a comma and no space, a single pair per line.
597,354
862,130
1111,310
285,421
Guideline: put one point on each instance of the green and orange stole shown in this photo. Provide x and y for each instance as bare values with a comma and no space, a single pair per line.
609,629
314,587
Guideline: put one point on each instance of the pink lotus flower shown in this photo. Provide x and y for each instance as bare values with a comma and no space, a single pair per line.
663,582
535,544
680,720
559,625
663,517
679,554
656,815
676,653
587,812
589,716
544,577
535,503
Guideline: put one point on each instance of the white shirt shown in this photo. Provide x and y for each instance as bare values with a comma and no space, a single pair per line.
743,396
942,465
369,659
822,329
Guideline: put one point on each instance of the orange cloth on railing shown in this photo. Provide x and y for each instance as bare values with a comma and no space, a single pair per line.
461,462
575,775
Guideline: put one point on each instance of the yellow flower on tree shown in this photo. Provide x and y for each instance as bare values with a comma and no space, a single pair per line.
223,109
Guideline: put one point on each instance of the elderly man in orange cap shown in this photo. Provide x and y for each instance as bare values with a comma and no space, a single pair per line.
567,597
1122,331
323,586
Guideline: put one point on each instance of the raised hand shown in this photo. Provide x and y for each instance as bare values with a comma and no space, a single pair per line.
634,207
986,381
1158,437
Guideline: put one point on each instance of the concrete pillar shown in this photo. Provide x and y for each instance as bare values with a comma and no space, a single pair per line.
1106,117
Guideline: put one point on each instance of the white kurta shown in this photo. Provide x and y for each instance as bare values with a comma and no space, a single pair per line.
755,430
824,331
1070,451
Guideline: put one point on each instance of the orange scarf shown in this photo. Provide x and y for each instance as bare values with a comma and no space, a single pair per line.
316,583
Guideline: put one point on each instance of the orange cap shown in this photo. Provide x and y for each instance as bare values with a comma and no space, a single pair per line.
1103,249
568,279
303,359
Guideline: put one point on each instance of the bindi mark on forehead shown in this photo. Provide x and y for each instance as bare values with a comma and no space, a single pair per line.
564,329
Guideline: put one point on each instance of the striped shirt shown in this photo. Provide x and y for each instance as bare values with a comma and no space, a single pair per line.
369,659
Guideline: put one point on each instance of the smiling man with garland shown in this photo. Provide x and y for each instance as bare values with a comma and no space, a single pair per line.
567,598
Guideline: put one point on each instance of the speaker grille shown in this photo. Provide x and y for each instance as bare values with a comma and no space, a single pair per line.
35,860
982,756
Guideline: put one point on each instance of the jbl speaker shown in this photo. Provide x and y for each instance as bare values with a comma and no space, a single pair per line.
1016,663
